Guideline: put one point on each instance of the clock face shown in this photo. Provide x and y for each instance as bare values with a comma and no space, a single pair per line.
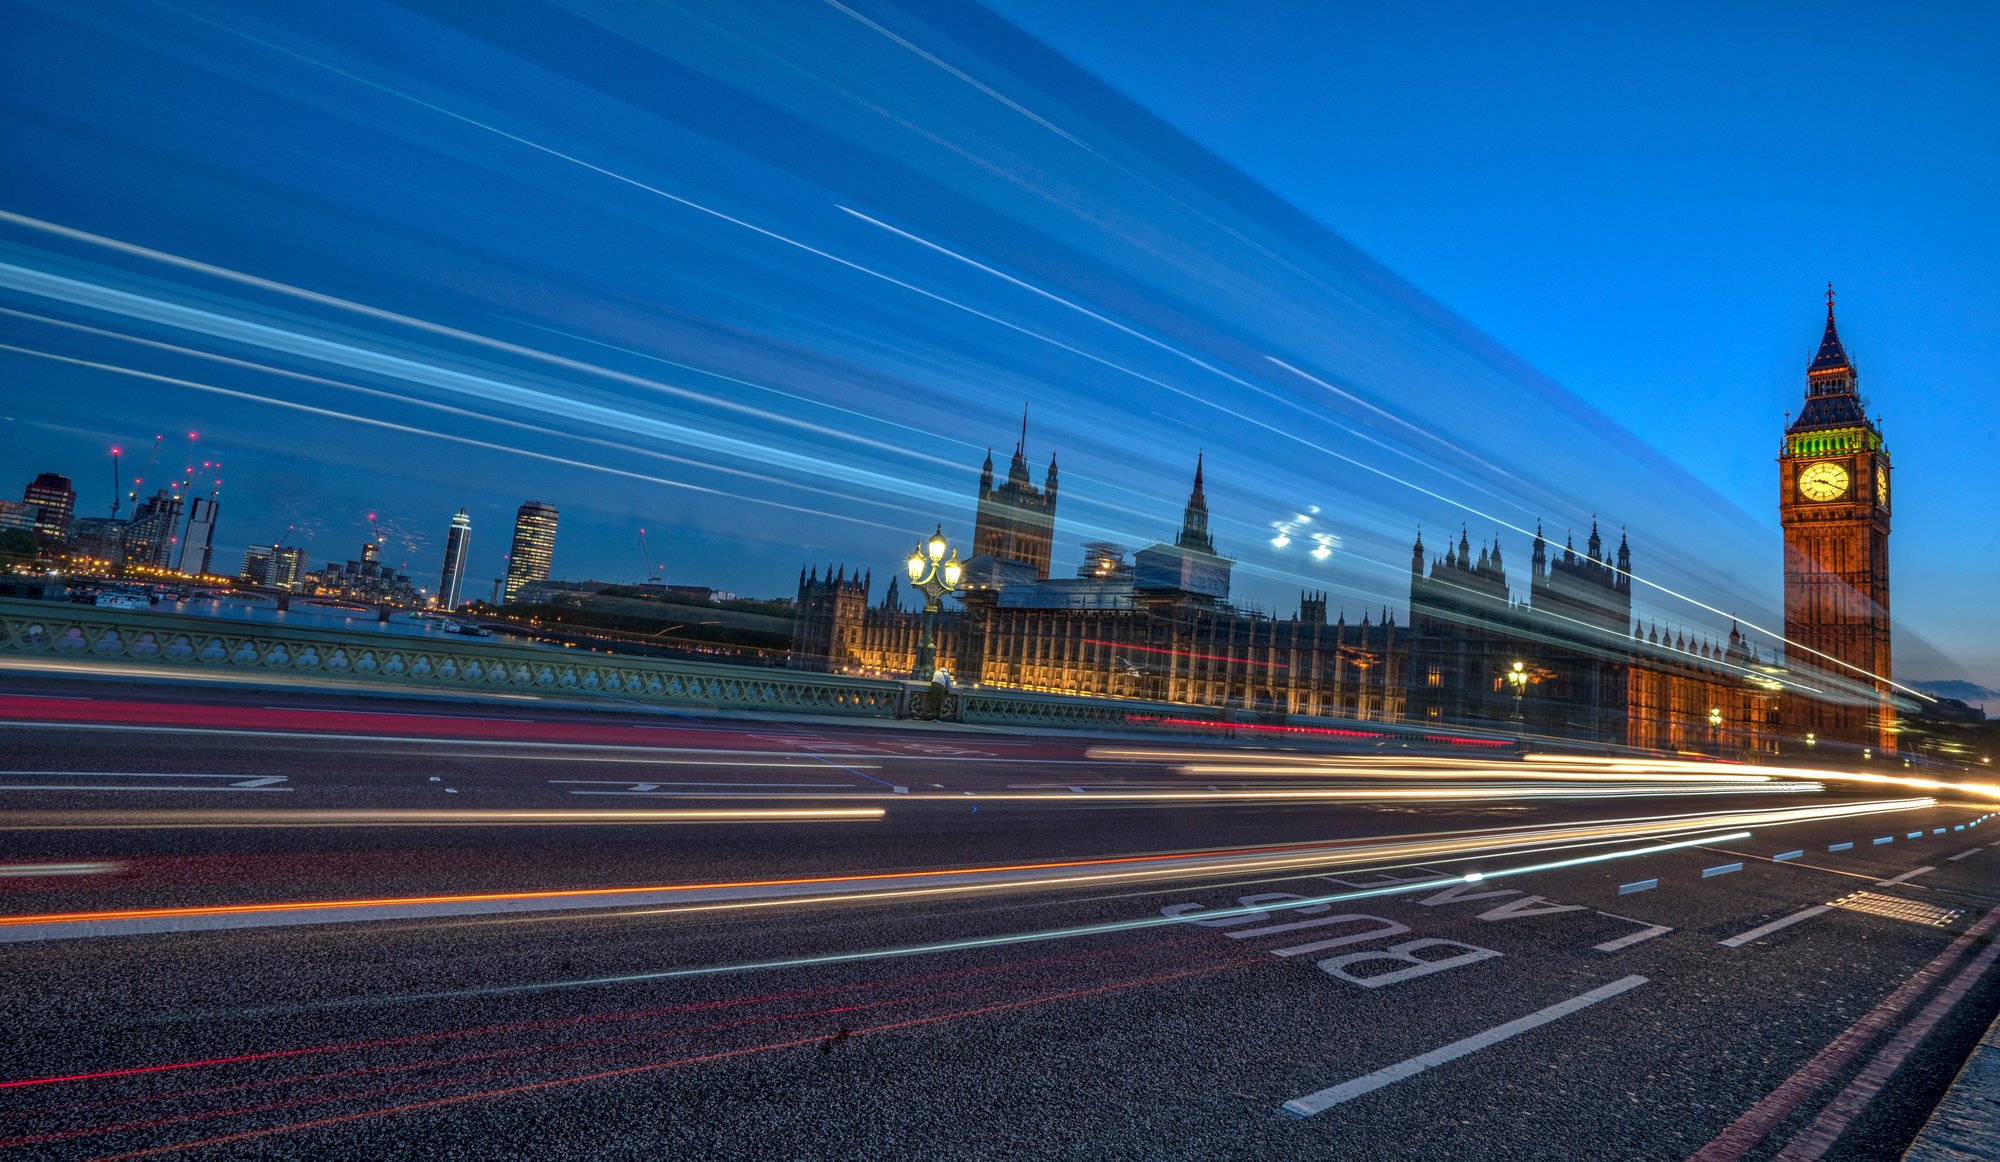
1882,485
1825,480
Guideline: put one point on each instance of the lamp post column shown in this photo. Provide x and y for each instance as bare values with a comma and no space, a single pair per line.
927,644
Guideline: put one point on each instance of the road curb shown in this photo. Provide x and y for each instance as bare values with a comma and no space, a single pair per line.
1965,1127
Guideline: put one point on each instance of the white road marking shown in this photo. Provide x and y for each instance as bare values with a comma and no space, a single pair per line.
240,783
1908,875
1773,926
1326,1099
1963,854
31,870
647,788
1646,932
129,787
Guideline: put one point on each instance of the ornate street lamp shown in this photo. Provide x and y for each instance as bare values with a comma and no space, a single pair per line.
1517,681
1714,725
934,576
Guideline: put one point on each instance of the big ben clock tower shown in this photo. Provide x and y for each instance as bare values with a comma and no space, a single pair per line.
1833,500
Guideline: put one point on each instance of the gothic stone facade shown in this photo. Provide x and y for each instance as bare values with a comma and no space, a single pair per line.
1161,627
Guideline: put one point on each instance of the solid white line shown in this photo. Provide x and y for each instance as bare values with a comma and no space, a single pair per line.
1964,854
1908,875
128,775
129,787
1326,1099
650,784
56,869
1773,926
399,714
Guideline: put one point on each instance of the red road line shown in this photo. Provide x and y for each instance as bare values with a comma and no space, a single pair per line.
655,1066
573,1021
1840,1113
1756,1123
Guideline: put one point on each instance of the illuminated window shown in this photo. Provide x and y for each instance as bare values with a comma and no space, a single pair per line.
1430,712
1433,677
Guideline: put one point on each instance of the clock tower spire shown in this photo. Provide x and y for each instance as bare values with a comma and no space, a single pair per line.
1833,501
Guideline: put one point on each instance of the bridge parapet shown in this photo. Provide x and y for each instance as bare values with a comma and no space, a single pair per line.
186,643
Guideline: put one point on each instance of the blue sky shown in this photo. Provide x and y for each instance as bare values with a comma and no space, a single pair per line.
1644,202
767,280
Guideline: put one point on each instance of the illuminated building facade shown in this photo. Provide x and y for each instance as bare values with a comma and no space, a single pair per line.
1833,502
366,580
1159,627
452,578
52,500
534,547
155,525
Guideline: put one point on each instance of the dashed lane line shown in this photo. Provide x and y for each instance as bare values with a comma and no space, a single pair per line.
1326,1099
900,790
1904,878
1782,922
1963,855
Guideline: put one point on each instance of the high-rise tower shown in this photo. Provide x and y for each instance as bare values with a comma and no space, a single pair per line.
51,502
197,545
1833,501
453,577
534,547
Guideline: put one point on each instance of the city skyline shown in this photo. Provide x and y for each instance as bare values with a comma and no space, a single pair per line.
749,406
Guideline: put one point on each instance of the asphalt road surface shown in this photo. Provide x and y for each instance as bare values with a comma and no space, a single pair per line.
239,924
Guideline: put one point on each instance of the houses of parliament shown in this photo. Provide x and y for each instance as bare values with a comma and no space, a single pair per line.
1561,656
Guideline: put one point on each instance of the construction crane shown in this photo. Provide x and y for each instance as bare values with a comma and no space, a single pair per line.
652,563
139,480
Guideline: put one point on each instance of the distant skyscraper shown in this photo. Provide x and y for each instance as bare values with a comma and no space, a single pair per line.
453,577
257,564
288,565
149,539
199,542
534,547
54,501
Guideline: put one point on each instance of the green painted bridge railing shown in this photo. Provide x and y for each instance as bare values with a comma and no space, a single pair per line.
263,651
260,650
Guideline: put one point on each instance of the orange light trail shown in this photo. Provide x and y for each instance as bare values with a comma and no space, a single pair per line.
1330,853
